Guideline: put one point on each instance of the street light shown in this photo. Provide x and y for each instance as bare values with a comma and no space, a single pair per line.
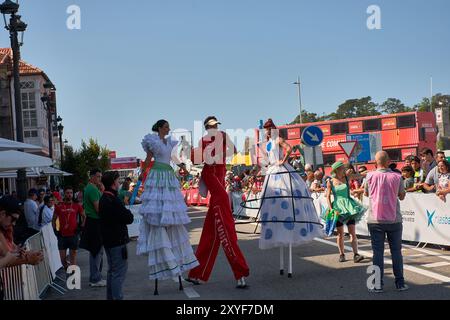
14,27
60,131
299,97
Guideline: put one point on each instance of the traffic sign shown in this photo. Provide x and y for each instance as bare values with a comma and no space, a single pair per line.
312,136
348,147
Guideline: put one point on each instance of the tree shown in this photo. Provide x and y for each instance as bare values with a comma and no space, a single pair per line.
79,162
355,108
307,117
393,105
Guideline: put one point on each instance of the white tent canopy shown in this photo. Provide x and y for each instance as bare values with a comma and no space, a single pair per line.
14,160
35,173
6,144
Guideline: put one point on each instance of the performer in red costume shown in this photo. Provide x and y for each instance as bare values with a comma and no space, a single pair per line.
219,225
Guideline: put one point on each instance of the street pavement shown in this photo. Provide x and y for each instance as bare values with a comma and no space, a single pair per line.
317,274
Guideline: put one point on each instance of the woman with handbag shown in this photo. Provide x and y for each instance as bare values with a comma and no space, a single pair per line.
347,210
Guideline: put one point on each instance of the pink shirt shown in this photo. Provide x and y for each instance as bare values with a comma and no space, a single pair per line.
383,187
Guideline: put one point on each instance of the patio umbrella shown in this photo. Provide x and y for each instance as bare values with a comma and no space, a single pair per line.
15,160
6,144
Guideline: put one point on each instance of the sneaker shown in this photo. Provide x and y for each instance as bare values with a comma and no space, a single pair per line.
358,258
376,290
402,287
195,282
342,258
101,283
241,284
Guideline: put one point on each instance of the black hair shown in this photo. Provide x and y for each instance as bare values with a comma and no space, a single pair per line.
94,171
408,169
415,158
426,151
109,177
68,188
440,152
158,125
47,199
393,166
446,163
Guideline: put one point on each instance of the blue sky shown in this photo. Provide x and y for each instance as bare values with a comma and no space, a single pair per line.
186,59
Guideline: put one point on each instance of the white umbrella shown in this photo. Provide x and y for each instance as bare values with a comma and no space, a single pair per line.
6,144
14,160
35,173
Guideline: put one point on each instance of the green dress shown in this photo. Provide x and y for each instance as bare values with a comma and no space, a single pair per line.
348,208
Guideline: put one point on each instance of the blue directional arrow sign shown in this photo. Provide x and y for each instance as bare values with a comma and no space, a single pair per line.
312,136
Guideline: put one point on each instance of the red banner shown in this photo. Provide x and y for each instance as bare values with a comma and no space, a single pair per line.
355,127
331,143
389,123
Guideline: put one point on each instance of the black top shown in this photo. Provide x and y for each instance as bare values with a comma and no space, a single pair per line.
114,218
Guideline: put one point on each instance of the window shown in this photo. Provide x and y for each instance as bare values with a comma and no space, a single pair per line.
338,128
28,100
27,85
422,134
29,119
30,134
406,121
328,159
372,125
394,154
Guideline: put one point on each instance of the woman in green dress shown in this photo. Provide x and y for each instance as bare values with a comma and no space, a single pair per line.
348,209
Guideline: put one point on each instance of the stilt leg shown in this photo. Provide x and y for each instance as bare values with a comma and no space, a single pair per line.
281,261
290,262
181,283
156,288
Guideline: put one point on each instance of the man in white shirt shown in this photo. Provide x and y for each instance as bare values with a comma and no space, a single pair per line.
31,210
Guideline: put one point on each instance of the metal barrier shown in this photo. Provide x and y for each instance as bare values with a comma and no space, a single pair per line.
12,283
27,282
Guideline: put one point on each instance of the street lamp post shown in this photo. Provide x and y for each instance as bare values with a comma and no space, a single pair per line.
299,97
14,27
60,131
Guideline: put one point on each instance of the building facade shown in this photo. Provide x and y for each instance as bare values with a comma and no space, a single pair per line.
34,111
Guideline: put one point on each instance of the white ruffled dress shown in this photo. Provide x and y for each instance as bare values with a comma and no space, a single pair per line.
162,235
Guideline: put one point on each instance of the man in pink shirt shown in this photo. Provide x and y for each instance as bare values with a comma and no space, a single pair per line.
384,187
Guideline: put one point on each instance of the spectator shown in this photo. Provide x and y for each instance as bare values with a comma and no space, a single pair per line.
114,218
318,184
408,179
383,187
57,195
309,177
71,221
433,176
443,185
10,254
31,211
408,161
428,162
359,192
419,174
351,172
91,239
45,214
14,195
40,199
124,192
393,167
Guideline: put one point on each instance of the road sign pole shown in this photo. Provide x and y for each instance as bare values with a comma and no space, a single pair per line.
314,158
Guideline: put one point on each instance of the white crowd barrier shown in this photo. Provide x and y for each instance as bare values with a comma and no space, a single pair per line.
27,282
426,218
133,229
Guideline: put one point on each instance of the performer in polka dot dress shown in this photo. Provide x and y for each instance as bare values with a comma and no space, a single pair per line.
287,213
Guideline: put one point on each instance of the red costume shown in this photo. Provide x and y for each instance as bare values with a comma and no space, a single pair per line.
219,225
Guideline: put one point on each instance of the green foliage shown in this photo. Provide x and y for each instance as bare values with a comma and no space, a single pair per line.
364,107
393,105
90,155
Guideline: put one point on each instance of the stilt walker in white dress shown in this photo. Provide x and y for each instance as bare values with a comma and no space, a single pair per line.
162,235
287,214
